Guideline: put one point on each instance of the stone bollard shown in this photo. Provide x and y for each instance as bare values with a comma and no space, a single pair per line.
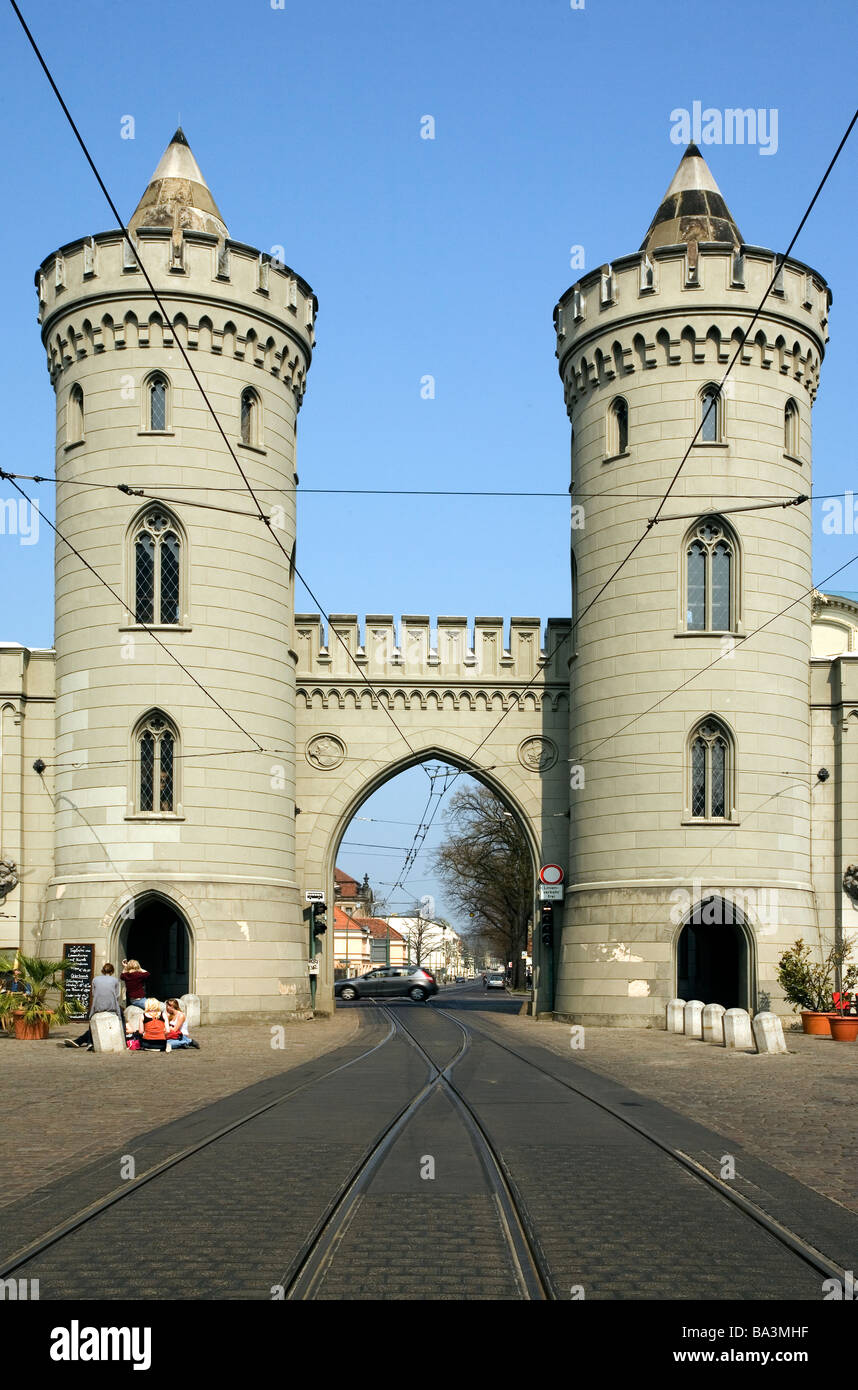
190,1004
108,1034
737,1029
694,1018
676,1016
713,1024
769,1033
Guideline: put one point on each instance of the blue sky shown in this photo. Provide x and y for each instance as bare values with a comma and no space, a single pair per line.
441,257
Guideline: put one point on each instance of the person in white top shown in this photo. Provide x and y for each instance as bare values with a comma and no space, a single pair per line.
177,1026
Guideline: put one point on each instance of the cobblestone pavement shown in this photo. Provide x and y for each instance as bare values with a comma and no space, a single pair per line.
78,1106
796,1112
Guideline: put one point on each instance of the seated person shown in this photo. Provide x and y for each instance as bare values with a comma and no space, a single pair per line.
153,1037
177,1025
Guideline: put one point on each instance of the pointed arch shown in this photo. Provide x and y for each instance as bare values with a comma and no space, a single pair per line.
250,418
75,416
617,433
792,425
711,415
155,765
157,403
710,577
157,566
710,794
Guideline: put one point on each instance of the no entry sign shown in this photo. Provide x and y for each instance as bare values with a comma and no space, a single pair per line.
551,874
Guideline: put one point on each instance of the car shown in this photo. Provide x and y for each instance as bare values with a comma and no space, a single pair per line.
494,979
389,982
460,979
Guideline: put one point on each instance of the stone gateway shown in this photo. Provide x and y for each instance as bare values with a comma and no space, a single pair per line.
181,769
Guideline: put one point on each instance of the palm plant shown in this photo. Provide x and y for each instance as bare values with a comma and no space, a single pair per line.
37,1004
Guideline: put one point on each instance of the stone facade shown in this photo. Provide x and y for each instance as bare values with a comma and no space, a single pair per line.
588,735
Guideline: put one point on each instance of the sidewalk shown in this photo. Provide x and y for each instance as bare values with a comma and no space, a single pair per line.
75,1106
796,1112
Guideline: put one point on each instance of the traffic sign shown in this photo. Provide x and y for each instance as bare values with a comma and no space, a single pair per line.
551,892
314,895
551,873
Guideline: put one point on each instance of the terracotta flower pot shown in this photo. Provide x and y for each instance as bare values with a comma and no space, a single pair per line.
37,1030
816,1024
844,1029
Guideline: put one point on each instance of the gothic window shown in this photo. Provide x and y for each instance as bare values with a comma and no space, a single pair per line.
618,427
157,403
711,577
250,408
155,762
157,564
74,423
791,429
711,416
712,772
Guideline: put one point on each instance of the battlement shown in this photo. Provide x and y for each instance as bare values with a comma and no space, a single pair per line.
690,303
416,652
234,300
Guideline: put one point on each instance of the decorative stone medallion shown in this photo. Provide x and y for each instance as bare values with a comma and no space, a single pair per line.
537,754
325,751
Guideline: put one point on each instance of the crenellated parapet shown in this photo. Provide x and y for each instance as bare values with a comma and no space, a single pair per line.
223,297
420,665
676,305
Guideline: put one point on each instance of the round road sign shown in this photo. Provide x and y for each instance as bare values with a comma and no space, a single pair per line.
551,873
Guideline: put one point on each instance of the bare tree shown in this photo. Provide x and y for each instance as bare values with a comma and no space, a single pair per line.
487,871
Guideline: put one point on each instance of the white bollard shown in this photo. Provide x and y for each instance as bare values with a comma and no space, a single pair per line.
713,1024
769,1033
676,1016
134,1018
694,1018
108,1034
191,1009
737,1029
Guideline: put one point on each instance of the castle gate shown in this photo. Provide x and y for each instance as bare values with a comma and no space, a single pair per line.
371,704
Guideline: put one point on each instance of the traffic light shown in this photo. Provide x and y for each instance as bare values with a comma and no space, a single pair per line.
320,926
547,924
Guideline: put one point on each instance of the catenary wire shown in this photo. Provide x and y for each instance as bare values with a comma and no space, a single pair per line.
189,364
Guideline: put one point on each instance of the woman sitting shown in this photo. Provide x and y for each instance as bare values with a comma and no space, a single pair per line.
177,1025
153,1036
134,978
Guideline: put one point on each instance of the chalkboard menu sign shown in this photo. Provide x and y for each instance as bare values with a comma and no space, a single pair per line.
78,978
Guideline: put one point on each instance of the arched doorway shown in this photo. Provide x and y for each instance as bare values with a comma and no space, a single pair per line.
713,955
157,935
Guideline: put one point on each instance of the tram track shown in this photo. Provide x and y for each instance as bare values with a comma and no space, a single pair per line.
788,1238
531,1275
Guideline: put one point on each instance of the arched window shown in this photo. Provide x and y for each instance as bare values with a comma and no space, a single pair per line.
711,416
74,419
157,564
711,577
618,427
156,743
712,772
157,400
250,408
791,428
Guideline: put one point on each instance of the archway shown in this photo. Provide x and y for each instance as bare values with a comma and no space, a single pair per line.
398,897
713,955
157,935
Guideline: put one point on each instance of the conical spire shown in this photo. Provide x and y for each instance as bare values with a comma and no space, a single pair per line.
692,209
178,195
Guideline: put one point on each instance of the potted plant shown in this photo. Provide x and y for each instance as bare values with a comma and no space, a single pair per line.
844,1023
808,984
32,1008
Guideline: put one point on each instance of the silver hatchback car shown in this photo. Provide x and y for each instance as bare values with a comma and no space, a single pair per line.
389,982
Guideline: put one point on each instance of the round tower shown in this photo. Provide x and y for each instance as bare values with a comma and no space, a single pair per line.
174,788
690,788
